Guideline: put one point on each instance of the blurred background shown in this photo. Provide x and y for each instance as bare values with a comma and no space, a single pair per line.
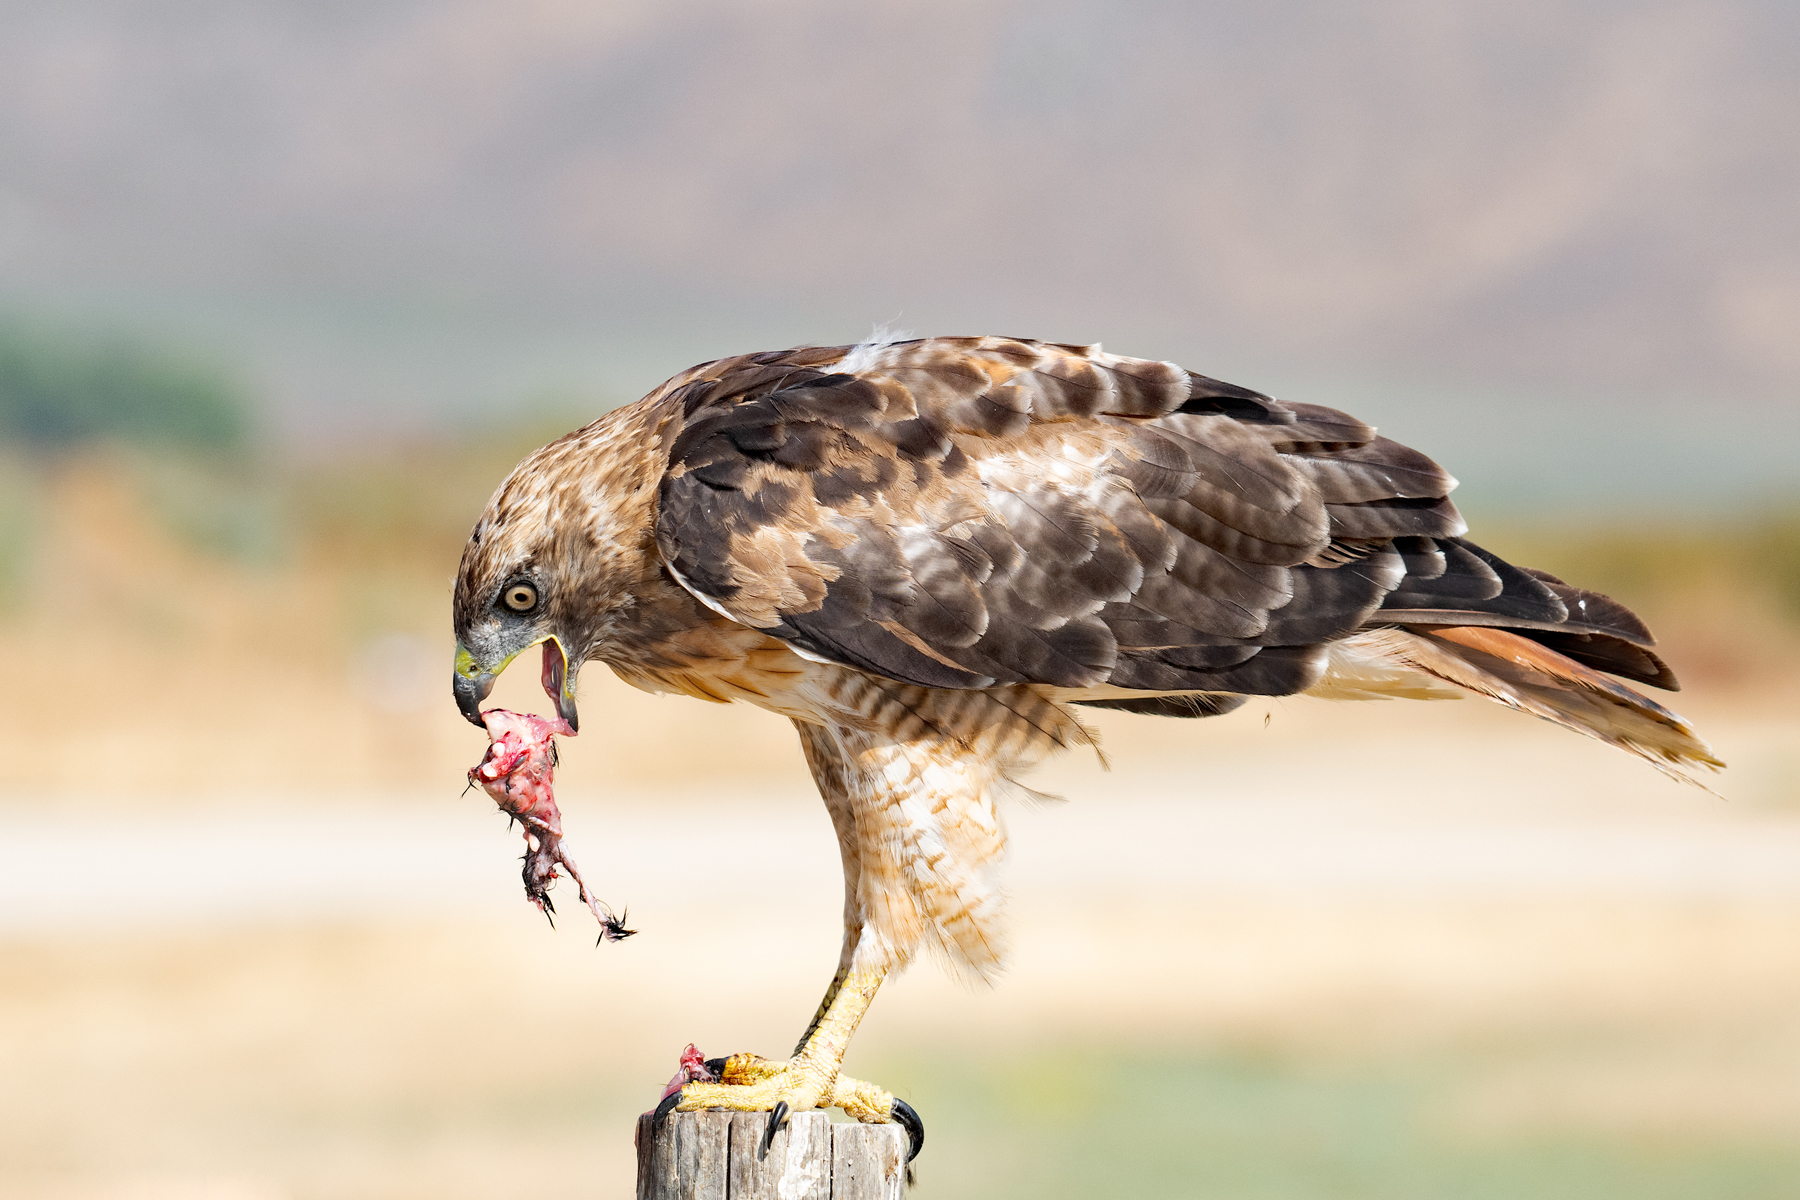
286,288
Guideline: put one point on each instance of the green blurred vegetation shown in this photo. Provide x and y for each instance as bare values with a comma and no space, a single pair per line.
182,422
18,503
59,388
1241,1126
176,431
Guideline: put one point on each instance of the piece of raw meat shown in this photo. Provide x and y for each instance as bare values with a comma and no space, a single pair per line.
693,1069
518,771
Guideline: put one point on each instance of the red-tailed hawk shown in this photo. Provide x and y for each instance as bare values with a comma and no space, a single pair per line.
928,554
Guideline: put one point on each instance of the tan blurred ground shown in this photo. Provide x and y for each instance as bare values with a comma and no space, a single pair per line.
1546,941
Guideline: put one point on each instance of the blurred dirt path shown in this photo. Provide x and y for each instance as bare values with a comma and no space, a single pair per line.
1134,833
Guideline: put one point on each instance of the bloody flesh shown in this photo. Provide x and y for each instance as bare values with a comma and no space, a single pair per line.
693,1069
518,772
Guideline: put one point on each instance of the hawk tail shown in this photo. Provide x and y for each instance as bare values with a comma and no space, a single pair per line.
1521,673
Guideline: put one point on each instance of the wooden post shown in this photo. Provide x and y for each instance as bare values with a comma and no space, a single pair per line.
712,1156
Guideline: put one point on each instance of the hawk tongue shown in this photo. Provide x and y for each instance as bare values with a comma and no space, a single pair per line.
554,666
555,678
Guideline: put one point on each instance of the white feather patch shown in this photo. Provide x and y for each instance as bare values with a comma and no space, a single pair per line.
869,353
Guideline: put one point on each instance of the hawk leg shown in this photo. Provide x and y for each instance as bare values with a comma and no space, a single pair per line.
811,1078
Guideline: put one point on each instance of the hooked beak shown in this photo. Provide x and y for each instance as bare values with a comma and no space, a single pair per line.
471,685
471,682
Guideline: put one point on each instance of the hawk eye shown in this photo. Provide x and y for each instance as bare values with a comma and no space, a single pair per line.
520,597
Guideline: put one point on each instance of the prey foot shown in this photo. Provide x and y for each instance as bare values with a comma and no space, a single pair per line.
751,1083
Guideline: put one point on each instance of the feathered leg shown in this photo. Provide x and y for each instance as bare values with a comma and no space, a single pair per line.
909,778
812,1078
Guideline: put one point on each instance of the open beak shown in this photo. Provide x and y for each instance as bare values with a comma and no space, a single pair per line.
471,683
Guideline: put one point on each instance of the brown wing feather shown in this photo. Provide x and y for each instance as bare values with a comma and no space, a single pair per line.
965,512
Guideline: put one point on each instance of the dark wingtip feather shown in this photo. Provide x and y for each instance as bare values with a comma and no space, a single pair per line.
1208,395
1614,655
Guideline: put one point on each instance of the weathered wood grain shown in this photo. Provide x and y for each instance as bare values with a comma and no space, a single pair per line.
713,1156
702,1154
797,1166
656,1161
868,1162
687,1159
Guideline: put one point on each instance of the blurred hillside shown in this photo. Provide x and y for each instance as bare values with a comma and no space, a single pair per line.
400,213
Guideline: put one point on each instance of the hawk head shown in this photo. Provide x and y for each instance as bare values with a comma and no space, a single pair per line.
560,552
512,594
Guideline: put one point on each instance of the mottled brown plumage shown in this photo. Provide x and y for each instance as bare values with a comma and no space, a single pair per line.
924,552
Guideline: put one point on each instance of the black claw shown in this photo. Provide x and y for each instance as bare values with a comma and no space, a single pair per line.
717,1067
777,1119
666,1106
907,1118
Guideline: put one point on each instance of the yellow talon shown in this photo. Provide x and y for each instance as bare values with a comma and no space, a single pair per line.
750,1068
811,1079
752,1083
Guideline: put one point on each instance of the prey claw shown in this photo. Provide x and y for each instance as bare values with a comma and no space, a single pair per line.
777,1119
667,1104
907,1118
